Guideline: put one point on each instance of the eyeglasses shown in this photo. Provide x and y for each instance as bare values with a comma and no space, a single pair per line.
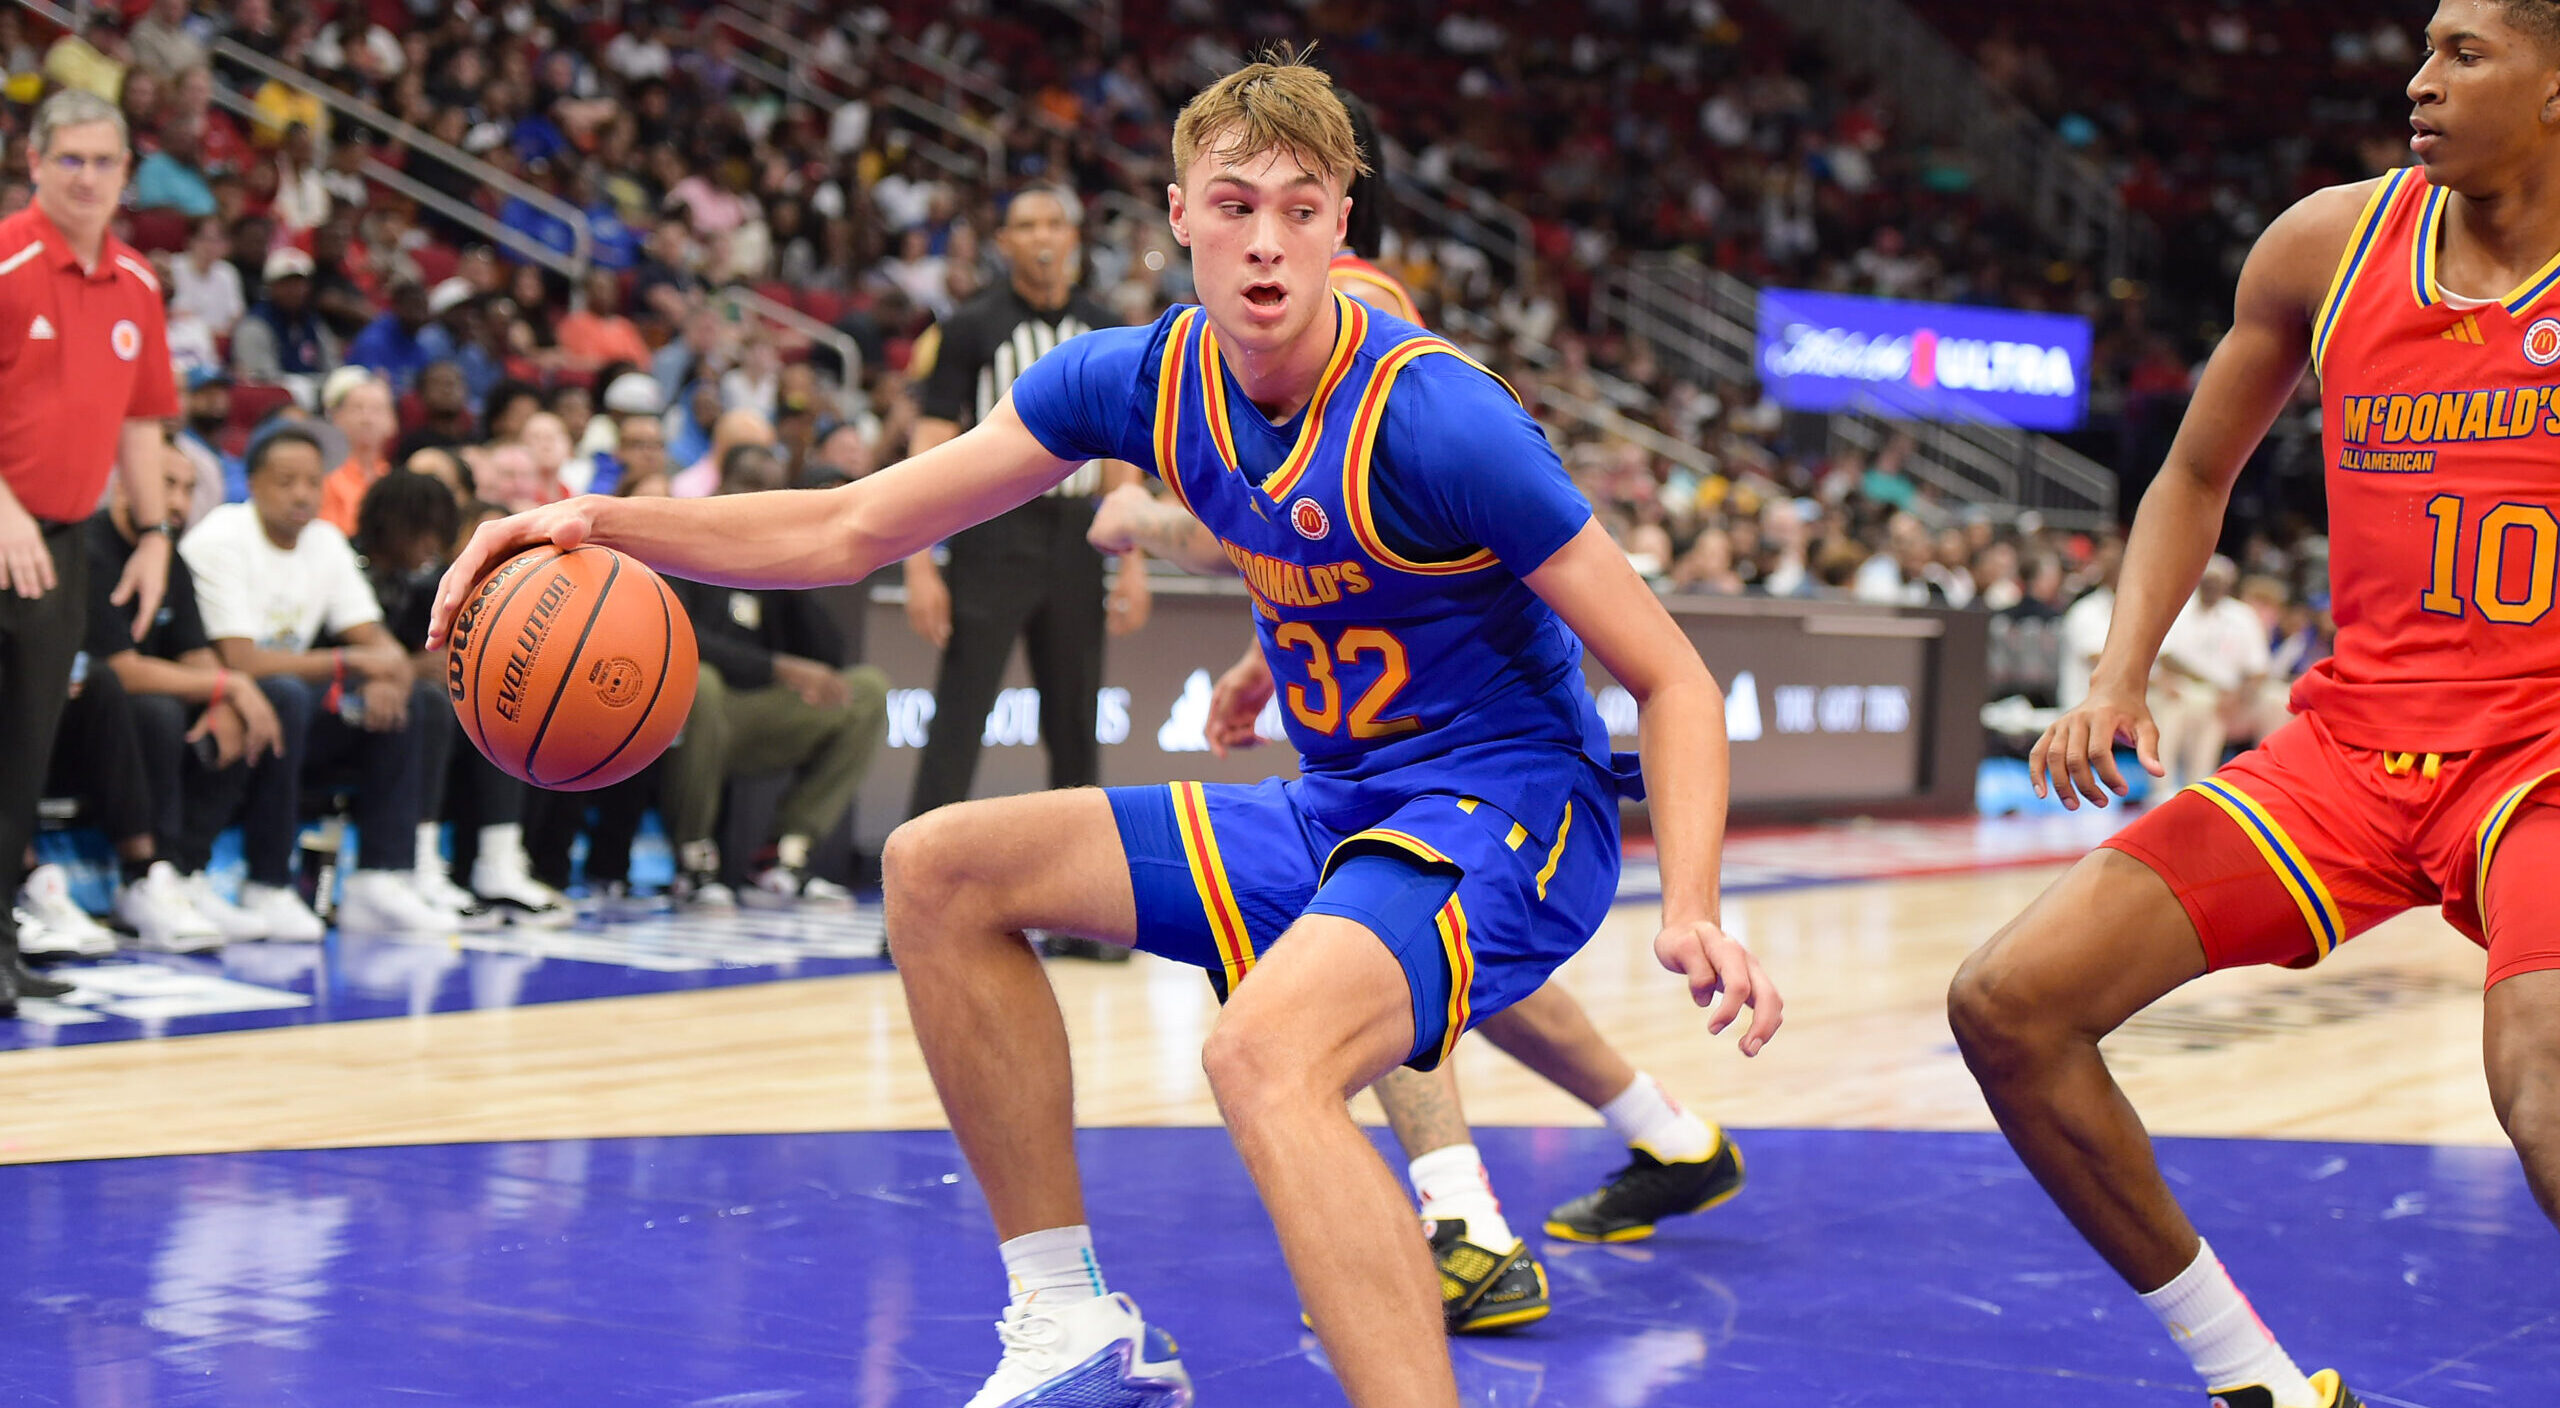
72,163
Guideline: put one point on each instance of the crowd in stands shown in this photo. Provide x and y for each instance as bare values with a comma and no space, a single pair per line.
366,370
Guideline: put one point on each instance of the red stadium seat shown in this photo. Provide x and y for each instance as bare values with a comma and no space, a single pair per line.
436,263
156,230
252,402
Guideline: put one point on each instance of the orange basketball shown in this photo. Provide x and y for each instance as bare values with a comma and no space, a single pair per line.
571,670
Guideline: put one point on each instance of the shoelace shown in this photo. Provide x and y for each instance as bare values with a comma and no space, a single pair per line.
1031,1339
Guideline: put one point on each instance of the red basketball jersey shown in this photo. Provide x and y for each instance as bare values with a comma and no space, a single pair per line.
2442,430
1374,286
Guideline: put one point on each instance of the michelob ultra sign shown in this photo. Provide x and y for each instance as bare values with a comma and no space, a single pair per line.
1924,361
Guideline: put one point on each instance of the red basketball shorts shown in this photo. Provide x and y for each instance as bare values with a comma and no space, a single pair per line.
2303,843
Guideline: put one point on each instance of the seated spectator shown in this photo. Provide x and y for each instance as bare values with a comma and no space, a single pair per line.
302,200
283,335
640,452
271,583
775,694
172,177
200,738
85,58
162,43
1900,574
509,406
440,465
206,412
390,345
546,439
506,477
406,527
444,412
732,430
203,282
358,403
2210,663
597,333
843,455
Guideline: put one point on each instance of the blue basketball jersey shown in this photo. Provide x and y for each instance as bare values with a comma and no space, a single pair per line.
1383,532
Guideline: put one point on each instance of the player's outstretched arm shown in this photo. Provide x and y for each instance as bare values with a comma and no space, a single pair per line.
2251,375
1687,769
788,537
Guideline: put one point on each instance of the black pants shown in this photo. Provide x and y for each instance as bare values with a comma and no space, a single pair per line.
554,819
320,747
118,754
1027,574
457,784
38,639
208,799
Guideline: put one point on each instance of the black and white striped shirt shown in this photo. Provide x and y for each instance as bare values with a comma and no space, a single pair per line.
990,340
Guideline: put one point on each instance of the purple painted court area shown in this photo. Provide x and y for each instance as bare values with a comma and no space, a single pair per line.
1913,1270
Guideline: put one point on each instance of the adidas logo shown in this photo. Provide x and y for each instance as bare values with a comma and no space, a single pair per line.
2468,330
42,327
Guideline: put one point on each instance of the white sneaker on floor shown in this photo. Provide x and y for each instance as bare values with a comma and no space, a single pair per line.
236,924
709,895
781,887
281,909
504,880
388,902
434,884
1097,1353
52,922
155,907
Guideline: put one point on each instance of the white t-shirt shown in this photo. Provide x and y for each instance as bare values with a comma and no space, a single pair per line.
247,587
2222,644
213,295
2084,635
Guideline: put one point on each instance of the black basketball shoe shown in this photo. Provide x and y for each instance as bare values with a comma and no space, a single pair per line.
1481,1289
2333,1390
1646,1191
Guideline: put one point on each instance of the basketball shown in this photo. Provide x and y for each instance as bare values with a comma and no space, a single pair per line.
571,670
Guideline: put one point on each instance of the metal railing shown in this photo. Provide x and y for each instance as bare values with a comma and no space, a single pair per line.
582,237
460,212
1940,95
783,315
972,152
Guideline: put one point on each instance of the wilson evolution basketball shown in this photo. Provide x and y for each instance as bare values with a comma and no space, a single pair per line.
571,670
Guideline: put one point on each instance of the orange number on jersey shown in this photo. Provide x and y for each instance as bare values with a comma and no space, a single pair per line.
2488,569
1393,674
1319,673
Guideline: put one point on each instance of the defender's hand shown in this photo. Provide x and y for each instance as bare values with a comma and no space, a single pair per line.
1237,702
564,525
1716,962
928,603
1117,521
2077,756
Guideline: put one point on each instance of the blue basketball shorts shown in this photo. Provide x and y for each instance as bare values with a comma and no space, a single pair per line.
1477,909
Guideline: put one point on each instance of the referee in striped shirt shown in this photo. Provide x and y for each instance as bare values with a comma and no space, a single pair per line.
1028,573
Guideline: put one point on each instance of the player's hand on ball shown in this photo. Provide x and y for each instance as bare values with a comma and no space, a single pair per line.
2076,757
1237,702
564,525
1715,963
1115,523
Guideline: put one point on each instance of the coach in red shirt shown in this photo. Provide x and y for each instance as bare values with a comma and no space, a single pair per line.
85,385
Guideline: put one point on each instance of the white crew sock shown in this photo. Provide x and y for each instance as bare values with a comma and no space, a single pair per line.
1647,1118
1452,1183
504,839
430,851
2207,1317
1054,1266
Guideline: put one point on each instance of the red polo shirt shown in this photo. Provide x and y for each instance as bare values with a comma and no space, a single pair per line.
81,352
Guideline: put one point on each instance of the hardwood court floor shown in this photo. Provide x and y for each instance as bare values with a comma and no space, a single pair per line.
2380,1044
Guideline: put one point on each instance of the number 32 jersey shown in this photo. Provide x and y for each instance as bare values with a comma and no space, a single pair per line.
1383,532
2442,434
